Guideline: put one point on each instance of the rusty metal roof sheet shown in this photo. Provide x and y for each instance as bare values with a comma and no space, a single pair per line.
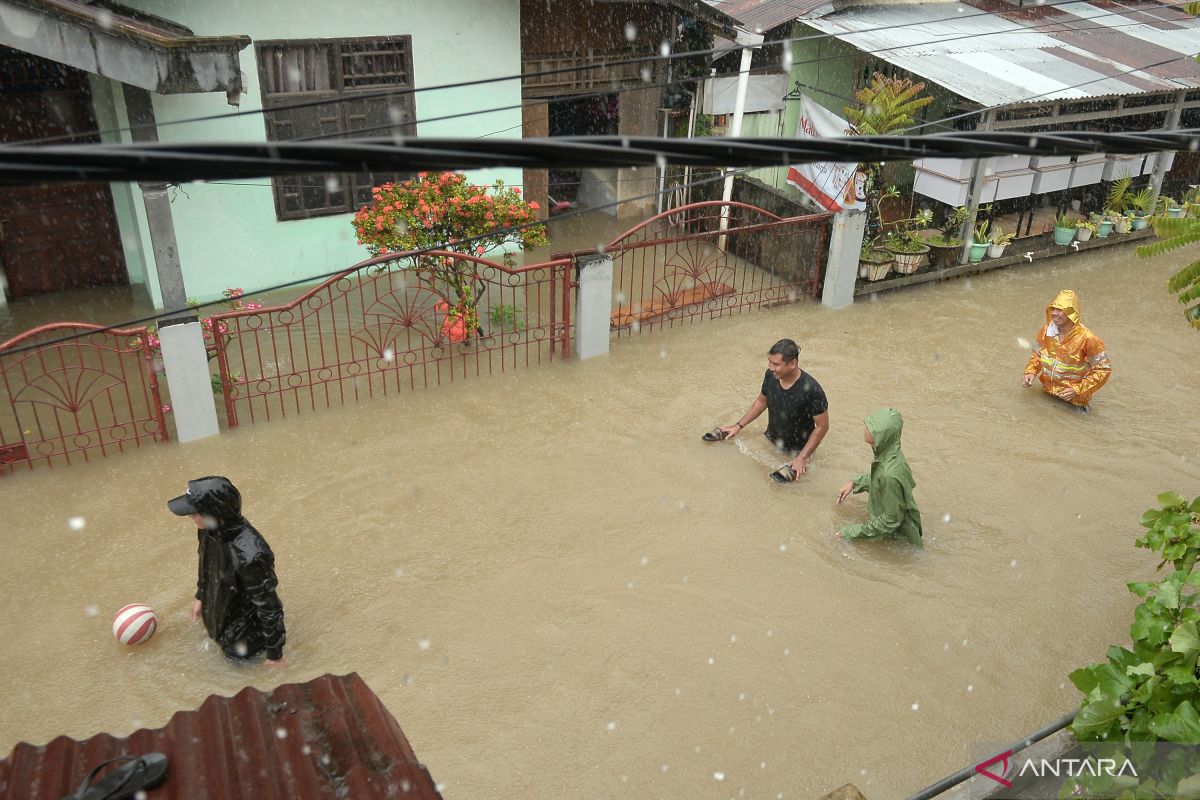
328,738
1059,51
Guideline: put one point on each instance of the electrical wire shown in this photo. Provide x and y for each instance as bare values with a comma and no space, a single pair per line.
598,65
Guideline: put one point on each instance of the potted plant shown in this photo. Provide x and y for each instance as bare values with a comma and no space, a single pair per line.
1084,229
947,243
874,264
1064,229
1103,224
1142,204
1119,221
905,244
979,242
1119,196
998,241
1170,207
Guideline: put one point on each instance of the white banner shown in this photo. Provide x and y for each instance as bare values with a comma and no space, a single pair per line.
837,187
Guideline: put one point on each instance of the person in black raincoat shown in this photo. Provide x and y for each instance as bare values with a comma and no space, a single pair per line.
235,587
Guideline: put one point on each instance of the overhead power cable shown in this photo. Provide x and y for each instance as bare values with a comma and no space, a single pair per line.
162,161
608,64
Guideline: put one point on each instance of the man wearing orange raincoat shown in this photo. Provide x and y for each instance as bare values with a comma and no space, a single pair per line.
1070,360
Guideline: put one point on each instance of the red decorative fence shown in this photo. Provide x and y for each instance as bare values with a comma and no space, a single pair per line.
73,398
682,265
390,324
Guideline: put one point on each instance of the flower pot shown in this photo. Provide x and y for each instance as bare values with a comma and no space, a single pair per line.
996,250
943,256
1175,212
909,262
1105,229
1063,236
977,251
875,269
1121,225
1140,222
1083,234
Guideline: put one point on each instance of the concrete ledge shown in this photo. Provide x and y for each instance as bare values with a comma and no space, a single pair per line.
1041,246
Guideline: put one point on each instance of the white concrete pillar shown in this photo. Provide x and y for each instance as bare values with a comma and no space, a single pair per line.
189,379
593,304
735,130
841,261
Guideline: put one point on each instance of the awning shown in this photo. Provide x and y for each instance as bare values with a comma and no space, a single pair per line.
127,46
1067,51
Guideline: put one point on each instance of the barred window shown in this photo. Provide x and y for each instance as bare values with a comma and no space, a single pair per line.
345,74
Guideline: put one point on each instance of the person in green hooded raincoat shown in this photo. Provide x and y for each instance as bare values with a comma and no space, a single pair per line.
892,509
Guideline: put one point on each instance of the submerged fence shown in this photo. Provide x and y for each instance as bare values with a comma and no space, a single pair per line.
713,259
71,391
391,324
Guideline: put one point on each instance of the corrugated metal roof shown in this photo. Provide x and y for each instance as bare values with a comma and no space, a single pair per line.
1015,55
328,738
760,16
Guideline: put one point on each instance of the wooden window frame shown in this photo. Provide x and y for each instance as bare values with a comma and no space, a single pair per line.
284,187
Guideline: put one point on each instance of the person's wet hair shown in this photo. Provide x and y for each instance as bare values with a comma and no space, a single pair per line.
786,348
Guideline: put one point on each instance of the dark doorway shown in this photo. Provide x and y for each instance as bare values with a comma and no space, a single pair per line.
579,116
62,236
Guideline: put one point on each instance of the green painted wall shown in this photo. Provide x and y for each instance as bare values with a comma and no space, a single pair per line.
228,234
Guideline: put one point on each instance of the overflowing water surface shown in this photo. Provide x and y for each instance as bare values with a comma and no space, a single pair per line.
560,591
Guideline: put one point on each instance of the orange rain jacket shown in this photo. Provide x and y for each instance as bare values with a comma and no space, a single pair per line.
1078,361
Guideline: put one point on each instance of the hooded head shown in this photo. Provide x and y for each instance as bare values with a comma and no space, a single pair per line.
885,426
1067,302
213,496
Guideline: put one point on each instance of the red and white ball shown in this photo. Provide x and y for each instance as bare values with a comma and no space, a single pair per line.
134,624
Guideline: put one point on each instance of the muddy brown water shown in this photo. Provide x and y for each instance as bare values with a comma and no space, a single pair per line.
559,591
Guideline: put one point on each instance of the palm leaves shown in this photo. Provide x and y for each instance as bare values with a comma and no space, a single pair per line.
887,105
1175,233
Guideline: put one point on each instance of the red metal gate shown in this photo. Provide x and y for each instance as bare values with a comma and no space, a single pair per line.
387,325
73,390
684,265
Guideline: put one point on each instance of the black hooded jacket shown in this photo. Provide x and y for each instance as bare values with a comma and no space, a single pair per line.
236,581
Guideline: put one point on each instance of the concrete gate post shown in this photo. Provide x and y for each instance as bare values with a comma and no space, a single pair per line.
593,304
841,261
188,378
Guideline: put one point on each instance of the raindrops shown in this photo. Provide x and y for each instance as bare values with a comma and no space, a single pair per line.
423,644
664,768
916,706
399,572
104,18
647,75
783,548
718,776
970,687
946,518
662,353
1022,343
389,355
612,726
1012,563
630,31
91,610
76,523
332,185
711,661
664,49
732,637
645,561
240,648
281,733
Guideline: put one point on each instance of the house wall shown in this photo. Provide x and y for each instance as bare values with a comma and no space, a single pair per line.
227,233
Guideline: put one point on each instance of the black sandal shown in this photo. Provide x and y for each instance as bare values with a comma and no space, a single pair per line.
715,435
784,474
137,774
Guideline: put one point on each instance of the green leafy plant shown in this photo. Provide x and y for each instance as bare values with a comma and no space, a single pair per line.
1142,201
506,317
905,236
951,225
1064,220
1119,196
1148,692
981,233
1174,233
1000,238
1088,224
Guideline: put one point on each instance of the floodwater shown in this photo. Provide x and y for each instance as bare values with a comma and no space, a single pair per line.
560,591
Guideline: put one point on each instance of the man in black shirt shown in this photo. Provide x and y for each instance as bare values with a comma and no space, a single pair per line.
797,411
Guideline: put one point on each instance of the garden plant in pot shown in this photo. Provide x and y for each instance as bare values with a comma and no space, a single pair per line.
1103,225
1142,203
1064,228
998,241
1170,207
874,264
905,244
979,242
1084,229
945,246
1120,203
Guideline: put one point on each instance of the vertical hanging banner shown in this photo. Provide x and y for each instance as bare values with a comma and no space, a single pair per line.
837,187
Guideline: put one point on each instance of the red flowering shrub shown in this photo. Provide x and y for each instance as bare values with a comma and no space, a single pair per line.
444,212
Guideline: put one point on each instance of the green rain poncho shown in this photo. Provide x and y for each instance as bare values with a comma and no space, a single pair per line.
891,506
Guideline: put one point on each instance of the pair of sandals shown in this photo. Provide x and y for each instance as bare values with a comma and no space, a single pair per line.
136,774
784,474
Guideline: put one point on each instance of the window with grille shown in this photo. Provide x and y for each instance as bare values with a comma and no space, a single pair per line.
340,86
